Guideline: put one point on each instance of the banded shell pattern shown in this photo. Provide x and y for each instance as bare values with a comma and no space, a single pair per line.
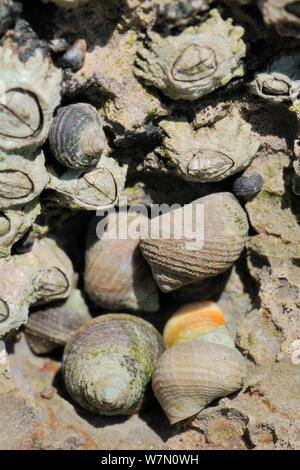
208,248
108,362
76,137
51,327
192,374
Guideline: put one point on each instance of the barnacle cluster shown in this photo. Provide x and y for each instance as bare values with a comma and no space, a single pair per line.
149,223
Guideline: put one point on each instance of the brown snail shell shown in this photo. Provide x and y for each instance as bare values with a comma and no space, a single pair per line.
76,136
175,263
190,375
52,326
108,362
116,275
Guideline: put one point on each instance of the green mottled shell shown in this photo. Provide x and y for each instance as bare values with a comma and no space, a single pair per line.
108,362
195,62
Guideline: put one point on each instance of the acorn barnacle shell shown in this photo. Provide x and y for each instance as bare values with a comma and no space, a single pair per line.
76,137
94,189
21,179
191,320
14,223
192,374
211,153
281,81
179,12
51,327
193,247
30,92
195,62
108,362
117,277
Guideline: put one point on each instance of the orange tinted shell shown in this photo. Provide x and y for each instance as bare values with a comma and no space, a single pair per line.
192,320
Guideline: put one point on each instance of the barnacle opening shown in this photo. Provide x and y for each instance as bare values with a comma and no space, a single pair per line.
51,283
4,311
15,184
194,63
29,124
209,164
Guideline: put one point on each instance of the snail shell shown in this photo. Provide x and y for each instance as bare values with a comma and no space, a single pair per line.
76,136
21,179
202,290
30,92
195,62
174,262
190,375
74,57
116,275
108,362
51,327
191,320
248,185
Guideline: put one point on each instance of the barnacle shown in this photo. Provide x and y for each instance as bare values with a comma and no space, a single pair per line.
194,63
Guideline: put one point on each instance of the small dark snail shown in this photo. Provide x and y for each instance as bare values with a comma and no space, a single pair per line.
76,136
108,362
74,57
248,185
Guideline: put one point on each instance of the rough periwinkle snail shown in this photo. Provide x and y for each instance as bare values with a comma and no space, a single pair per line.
108,362
195,62
192,374
51,327
117,277
187,250
245,186
191,320
76,136
74,56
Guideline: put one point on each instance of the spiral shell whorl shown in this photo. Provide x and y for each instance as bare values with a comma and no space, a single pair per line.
190,375
109,361
225,232
76,136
